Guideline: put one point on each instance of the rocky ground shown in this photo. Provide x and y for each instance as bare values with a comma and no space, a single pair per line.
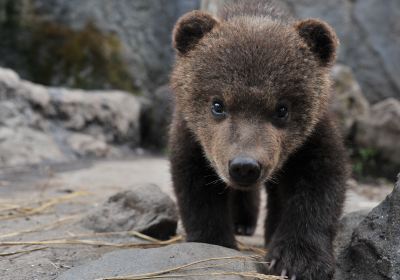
56,202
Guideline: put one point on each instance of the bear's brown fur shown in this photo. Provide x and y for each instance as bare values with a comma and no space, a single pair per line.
253,86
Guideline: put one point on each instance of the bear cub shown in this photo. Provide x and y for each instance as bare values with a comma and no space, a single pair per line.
251,91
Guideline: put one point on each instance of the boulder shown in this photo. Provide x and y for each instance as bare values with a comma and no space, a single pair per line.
140,261
373,252
41,124
112,116
380,133
87,146
347,225
349,103
145,209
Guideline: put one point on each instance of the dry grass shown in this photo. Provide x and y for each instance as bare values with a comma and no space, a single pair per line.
247,248
21,252
19,211
71,241
166,273
248,274
47,226
128,233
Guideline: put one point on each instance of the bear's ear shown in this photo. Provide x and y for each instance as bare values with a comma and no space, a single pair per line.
190,28
320,38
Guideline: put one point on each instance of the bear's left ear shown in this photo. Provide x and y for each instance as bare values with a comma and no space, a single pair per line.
190,28
320,38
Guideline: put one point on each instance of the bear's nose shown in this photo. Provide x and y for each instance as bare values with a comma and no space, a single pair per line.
244,170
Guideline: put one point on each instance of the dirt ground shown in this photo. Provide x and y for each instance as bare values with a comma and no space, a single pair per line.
44,205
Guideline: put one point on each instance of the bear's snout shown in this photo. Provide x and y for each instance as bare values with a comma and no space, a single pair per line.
244,171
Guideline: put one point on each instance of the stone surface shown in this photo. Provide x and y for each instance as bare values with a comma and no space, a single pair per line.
369,33
373,252
348,102
42,124
145,209
86,145
347,225
380,132
137,261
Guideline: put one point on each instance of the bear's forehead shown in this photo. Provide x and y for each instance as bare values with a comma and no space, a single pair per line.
250,55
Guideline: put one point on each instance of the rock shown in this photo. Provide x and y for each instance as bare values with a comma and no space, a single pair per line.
26,146
347,225
380,133
369,44
156,116
87,146
112,116
145,209
137,34
41,124
349,103
373,252
140,261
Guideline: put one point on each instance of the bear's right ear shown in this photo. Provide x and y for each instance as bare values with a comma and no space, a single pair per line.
190,28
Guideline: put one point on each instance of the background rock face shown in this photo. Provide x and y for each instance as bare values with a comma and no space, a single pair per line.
369,32
138,31
348,102
373,252
380,133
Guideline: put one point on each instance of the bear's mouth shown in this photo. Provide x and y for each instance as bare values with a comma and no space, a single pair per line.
264,177
244,188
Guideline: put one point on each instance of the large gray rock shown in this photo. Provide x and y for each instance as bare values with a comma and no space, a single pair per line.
145,209
380,133
140,261
369,35
40,124
349,103
373,252
347,225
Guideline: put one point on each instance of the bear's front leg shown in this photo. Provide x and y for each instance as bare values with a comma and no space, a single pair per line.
203,198
301,246
312,189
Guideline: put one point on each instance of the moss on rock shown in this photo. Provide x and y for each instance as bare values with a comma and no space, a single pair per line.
51,53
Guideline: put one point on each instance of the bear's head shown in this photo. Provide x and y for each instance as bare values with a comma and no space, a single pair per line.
251,89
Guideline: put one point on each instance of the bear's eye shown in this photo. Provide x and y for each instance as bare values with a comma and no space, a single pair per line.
217,108
282,112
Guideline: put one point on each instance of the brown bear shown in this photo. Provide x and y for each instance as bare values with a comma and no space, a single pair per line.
251,93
